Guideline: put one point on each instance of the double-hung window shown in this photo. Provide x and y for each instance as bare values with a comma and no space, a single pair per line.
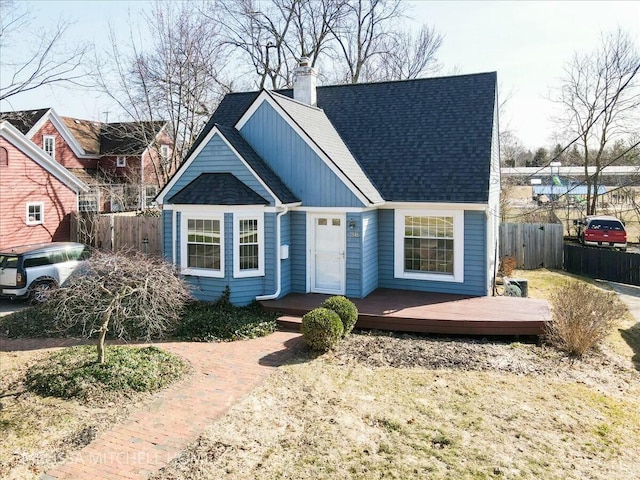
35,213
429,245
49,145
248,240
203,247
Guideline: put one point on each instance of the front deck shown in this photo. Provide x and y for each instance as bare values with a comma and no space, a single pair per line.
426,312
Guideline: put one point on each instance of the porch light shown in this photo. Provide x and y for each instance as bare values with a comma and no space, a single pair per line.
352,224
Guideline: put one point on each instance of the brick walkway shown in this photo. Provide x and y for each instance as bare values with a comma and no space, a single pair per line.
223,374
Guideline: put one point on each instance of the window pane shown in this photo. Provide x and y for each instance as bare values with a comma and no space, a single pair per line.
248,257
203,243
322,221
428,244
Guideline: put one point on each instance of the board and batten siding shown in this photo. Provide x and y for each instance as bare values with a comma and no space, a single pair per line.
217,157
289,156
298,251
474,258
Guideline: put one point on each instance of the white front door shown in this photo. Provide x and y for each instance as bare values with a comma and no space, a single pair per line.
327,253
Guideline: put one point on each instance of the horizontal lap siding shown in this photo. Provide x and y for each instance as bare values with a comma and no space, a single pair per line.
243,290
288,155
354,256
167,235
474,258
285,239
369,252
216,157
298,252
23,181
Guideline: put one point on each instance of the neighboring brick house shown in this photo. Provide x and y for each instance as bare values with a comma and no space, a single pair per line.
120,161
37,195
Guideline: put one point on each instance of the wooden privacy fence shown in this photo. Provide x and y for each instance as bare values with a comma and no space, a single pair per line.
602,263
533,245
114,232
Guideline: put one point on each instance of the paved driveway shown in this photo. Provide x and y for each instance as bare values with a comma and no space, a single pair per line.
629,294
8,306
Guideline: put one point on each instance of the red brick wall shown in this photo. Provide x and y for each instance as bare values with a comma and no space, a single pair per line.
23,181
63,153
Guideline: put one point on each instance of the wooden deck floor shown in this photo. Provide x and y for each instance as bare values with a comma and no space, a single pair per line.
425,312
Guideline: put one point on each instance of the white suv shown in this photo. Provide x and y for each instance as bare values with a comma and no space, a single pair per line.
28,271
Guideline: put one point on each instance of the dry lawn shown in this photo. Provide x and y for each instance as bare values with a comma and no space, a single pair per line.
40,431
384,406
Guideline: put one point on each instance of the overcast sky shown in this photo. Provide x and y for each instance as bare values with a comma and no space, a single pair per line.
527,43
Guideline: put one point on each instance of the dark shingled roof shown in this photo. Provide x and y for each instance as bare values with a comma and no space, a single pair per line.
258,165
128,138
217,189
424,140
23,120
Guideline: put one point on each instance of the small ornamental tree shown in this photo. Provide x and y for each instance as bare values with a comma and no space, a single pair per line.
346,310
127,293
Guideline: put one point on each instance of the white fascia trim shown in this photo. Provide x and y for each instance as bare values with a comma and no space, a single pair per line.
66,134
458,246
435,206
264,96
200,272
196,209
39,156
214,131
335,209
259,272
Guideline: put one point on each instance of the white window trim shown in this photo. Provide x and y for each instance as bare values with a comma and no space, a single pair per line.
53,145
458,245
200,272
259,272
34,204
121,162
165,153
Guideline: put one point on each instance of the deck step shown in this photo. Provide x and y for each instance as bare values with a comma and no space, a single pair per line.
289,322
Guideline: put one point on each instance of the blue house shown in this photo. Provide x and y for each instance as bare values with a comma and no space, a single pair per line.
341,190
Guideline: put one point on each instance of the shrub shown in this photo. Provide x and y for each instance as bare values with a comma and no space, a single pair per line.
582,317
507,266
345,309
322,329
74,373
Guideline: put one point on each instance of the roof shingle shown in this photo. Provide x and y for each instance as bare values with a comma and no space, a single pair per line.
217,189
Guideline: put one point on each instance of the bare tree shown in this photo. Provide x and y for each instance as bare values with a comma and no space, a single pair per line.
130,294
47,62
259,31
409,55
176,78
600,98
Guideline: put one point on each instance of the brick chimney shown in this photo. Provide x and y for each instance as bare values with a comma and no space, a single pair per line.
304,82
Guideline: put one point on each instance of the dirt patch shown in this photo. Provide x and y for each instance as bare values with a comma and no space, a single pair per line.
602,369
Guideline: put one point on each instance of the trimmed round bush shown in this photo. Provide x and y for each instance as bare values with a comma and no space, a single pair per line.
322,329
346,310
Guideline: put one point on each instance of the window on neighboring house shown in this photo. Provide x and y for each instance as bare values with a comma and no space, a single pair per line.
202,252
248,235
150,192
429,245
4,157
35,213
49,145
89,201
164,153
121,161
117,199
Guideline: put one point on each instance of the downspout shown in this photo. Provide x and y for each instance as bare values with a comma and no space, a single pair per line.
276,294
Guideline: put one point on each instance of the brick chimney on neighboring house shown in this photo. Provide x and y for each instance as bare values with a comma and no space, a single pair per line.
304,82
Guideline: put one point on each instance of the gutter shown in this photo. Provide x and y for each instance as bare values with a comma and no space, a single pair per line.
276,294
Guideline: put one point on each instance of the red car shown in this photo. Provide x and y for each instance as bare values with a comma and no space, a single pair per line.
603,231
